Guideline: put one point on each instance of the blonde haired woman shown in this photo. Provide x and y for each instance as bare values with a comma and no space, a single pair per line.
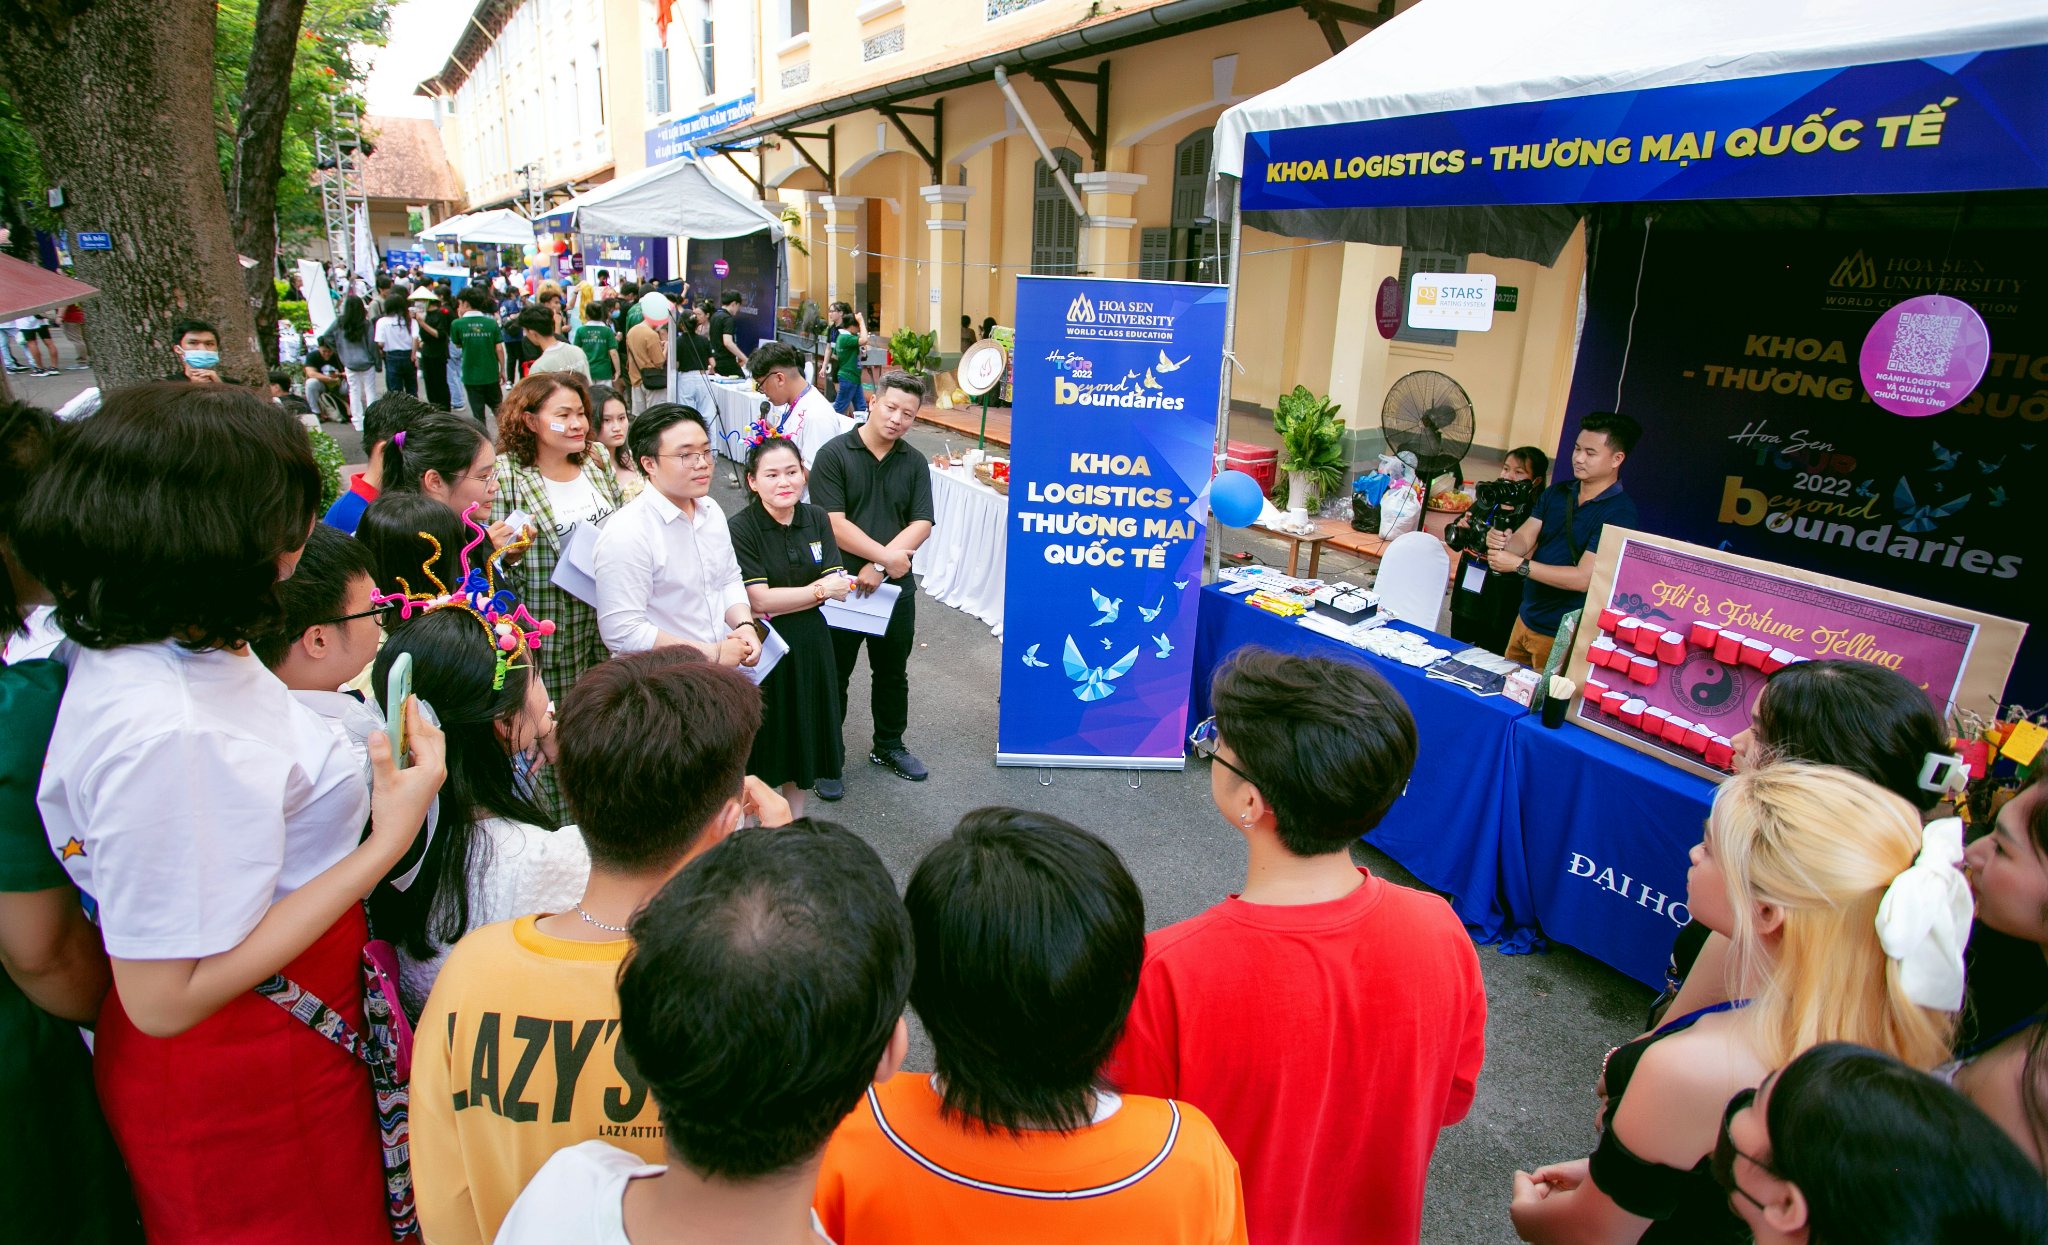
1846,922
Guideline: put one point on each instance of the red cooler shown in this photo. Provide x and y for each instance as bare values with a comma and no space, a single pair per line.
1261,463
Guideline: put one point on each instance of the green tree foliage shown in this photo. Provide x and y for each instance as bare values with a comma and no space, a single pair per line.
24,207
325,71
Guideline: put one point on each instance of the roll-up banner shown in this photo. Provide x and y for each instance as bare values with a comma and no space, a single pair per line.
1113,434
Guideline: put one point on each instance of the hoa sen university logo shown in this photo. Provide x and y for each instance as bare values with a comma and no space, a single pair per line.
1855,272
1118,319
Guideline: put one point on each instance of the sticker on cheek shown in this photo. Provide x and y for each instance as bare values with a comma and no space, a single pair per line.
554,427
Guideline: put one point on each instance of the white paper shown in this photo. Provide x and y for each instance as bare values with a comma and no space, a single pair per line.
1475,577
576,570
868,615
772,650
1240,587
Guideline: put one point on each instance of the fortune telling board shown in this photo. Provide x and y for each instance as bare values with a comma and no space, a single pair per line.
1677,640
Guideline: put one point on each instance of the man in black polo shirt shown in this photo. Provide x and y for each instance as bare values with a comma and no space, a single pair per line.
879,495
1553,549
726,356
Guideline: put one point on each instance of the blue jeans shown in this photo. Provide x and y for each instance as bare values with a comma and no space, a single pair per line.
400,376
850,396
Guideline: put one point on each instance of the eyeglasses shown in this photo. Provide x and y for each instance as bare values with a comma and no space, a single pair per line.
1725,1152
490,482
1206,741
381,613
699,458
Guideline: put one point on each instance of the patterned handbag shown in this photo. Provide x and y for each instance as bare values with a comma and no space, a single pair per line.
386,1049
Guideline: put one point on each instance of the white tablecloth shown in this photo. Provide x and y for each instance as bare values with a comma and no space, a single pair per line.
735,408
962,563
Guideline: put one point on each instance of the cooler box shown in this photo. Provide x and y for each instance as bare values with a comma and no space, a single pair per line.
1261,463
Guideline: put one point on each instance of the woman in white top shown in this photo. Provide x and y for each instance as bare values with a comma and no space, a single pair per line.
215,822
493,855
400,343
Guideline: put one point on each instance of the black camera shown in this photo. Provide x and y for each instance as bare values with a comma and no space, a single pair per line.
1499,505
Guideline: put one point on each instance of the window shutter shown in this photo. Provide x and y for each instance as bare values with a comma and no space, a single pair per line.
1155,255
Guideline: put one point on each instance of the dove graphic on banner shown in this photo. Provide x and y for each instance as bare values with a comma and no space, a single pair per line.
1149,615
1093,682
1108,607
1031,657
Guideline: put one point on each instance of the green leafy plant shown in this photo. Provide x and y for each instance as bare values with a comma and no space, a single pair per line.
327,455
1311,444
793,224
913,350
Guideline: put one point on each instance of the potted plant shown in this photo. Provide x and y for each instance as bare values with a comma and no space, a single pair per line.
1311,447
913,350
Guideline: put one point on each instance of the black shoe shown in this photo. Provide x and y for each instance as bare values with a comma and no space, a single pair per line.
829,789
899,759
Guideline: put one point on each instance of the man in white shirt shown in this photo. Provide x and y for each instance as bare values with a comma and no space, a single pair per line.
556,355
665,568
804,415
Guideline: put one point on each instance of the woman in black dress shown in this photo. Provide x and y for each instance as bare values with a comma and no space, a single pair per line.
792,566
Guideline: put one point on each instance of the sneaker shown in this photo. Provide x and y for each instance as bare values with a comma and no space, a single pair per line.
899,759
829,789
48,371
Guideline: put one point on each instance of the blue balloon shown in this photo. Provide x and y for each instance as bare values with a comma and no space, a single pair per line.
1235,499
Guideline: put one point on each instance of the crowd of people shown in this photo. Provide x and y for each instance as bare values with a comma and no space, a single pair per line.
405,881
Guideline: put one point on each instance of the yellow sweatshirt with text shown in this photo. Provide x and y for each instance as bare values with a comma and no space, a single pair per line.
516,1056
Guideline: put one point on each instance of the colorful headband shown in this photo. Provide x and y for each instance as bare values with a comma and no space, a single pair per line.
511,630
761,430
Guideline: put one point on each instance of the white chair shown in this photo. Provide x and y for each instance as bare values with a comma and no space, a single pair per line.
1414,571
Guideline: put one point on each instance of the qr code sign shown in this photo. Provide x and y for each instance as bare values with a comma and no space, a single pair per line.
1923,344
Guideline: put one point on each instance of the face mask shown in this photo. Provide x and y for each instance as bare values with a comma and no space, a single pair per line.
202,358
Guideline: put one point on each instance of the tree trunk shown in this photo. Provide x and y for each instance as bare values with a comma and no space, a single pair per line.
119,97
259,140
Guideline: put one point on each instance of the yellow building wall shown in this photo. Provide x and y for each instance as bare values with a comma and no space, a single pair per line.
1304,309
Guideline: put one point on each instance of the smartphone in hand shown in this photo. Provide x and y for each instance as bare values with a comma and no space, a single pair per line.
397,690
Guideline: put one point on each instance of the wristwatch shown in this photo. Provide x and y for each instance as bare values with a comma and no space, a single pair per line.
1523,568
881,570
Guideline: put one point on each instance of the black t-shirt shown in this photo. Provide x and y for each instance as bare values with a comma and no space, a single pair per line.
880,496
722,360
435,345
321,359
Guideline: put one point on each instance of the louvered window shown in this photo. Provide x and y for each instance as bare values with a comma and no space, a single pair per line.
1055,227
1413,261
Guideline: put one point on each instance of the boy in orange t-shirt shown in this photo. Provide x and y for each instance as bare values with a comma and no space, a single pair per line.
1030,934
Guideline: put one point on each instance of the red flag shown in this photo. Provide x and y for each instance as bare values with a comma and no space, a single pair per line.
664,13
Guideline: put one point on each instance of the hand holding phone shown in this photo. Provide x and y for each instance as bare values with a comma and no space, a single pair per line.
397,689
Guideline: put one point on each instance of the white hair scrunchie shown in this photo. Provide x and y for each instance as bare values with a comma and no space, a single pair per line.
1924,919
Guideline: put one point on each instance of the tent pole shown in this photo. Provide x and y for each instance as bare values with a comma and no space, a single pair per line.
1223,388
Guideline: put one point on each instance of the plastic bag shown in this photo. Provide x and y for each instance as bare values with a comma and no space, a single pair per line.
1400,512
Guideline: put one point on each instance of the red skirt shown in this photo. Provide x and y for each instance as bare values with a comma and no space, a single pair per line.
250,1127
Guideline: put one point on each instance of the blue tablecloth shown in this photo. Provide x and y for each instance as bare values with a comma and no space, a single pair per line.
1519,824
1447,830
1601,855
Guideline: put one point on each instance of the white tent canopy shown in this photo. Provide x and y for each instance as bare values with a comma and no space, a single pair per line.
678,199
497,227
1443,55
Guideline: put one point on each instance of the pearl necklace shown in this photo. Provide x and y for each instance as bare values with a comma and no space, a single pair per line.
615,929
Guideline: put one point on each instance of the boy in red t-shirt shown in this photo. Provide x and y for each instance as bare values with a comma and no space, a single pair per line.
1329,1023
